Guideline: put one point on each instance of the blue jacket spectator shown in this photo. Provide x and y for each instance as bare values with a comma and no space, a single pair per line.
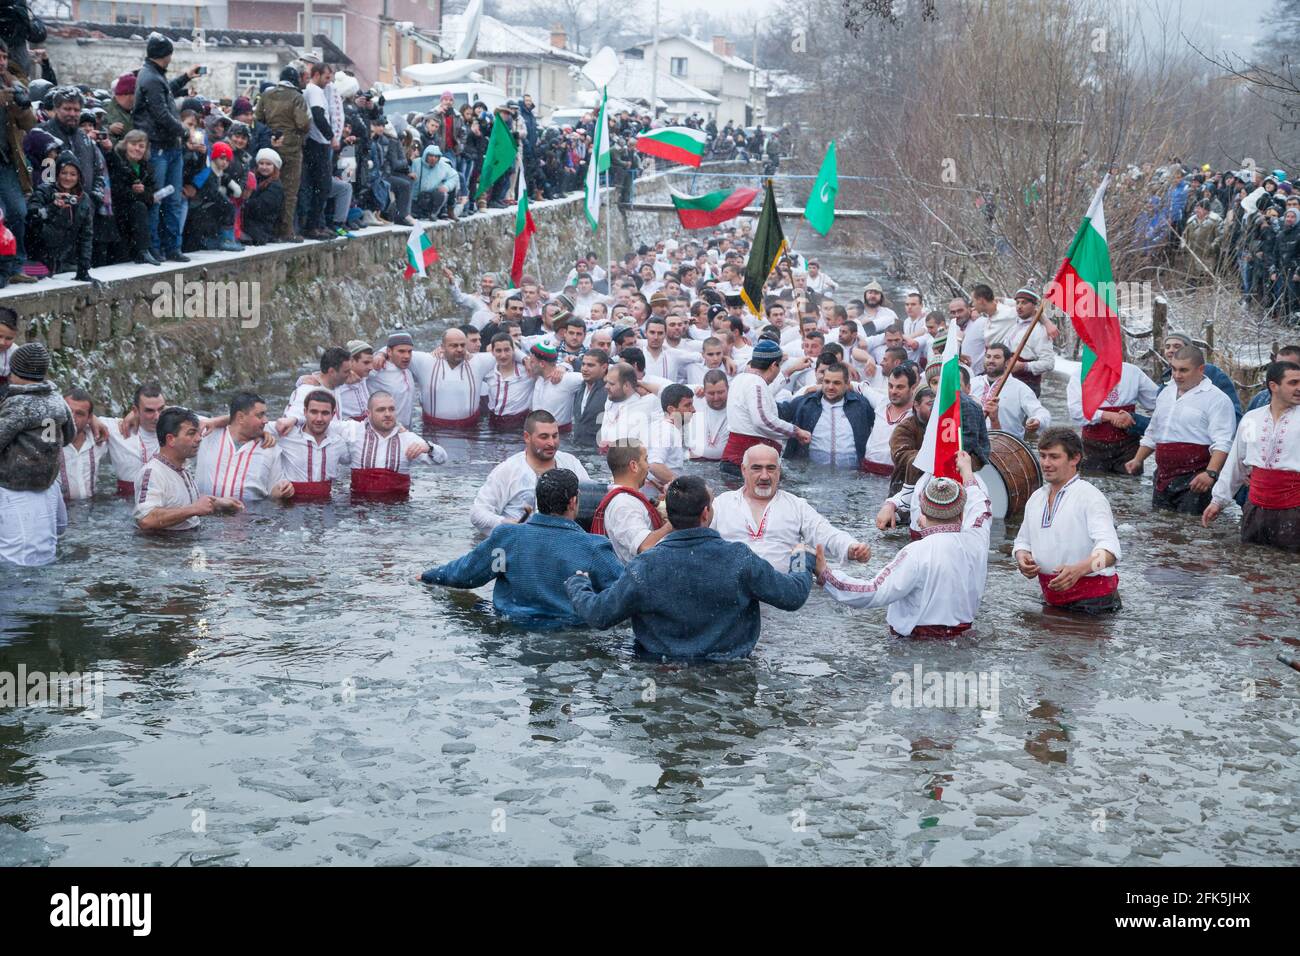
531,561
693,596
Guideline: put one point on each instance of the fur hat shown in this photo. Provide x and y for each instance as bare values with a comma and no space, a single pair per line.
270,155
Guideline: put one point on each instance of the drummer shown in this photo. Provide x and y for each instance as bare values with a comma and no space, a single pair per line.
1015,409
1068,539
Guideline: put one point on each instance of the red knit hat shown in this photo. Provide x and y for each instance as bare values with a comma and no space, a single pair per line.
222,151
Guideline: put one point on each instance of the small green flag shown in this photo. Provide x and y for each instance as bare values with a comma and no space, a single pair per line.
820,210
768,246
500,156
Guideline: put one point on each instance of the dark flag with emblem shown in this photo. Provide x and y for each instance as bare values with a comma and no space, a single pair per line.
769,246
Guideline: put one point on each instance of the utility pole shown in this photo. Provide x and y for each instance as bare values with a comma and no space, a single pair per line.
307,32
654,68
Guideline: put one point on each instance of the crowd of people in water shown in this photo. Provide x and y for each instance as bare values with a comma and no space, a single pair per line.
655,364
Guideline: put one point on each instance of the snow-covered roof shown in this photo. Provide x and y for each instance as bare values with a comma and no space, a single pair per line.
504,39
632,81
733,61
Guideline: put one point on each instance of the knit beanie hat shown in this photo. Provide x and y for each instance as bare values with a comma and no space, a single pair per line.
222,151
157,46
30,361
943,500
124,85
766,350
400,338
544,351
271,156
241,106
357,346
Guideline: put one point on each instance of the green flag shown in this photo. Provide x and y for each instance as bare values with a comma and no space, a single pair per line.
499,158
769,244
820,211
597,163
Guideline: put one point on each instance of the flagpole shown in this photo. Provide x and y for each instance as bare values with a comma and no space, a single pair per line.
1006,374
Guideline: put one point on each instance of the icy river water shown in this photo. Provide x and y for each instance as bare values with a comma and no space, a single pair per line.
280,690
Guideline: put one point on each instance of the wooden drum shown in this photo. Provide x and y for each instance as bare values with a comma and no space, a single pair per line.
1011,475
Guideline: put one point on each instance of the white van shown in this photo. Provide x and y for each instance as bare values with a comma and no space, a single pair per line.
422,99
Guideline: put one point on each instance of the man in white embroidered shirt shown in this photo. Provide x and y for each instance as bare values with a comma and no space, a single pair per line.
772,521
1016,409
1191,432
237,459
82,459
1068,539
667,451
934,586
166,497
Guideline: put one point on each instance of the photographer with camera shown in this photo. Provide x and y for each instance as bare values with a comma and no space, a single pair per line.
60,220
15,181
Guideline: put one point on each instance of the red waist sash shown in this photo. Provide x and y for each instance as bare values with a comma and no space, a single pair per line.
1177,458
507,422
469,422
126,488
1104,433
924,631
737,445
877,468
1274,488
1091,586
379,481
313,490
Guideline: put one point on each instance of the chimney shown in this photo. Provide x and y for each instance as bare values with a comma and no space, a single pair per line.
719,44
731,48
559,39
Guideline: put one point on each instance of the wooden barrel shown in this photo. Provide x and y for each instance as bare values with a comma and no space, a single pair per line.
1011,475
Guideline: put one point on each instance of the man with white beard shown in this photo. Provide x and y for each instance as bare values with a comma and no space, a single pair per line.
771,521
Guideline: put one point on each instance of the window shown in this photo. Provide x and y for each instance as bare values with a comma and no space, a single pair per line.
329,25
516,77
251,74
677,66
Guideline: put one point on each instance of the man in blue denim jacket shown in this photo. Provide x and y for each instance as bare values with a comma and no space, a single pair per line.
531,560
693,596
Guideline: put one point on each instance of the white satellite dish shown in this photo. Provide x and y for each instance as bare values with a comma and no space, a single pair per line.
602,67
448,71
472,17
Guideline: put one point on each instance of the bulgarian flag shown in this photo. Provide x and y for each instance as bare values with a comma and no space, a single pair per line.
938,454
524,228
678,144
1084,288
420,253
699,212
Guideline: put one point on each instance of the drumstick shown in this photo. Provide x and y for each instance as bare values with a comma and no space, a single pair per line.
1006,374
